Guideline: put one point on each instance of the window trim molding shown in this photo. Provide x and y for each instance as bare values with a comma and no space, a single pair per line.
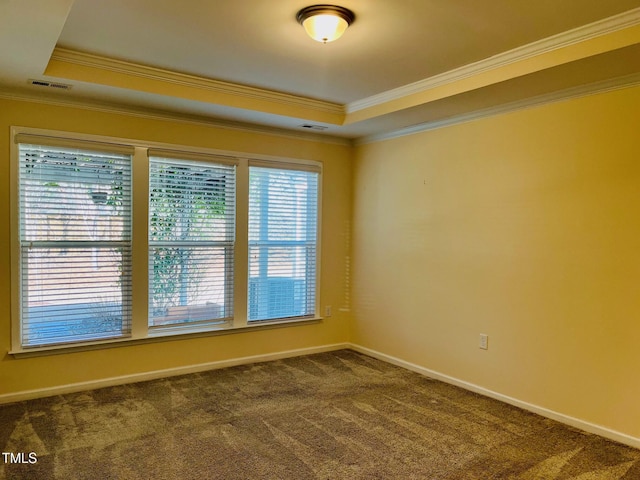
14,226
158,337
141,151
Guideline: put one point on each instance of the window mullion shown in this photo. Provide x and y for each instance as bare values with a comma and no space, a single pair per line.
140,233
241,267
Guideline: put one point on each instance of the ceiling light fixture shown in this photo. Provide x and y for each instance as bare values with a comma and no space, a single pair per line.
325,23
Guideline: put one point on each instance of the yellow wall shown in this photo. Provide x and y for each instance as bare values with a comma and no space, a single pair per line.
523,226
19,375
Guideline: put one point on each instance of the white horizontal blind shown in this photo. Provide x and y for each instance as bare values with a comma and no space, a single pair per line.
75,244
191,241
283,219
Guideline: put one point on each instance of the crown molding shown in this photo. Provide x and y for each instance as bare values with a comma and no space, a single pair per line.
150,114
606,26
627,81
192,81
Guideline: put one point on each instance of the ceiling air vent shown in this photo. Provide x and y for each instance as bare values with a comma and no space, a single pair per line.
45,83
309,126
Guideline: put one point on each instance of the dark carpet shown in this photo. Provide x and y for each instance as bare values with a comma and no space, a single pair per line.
338,415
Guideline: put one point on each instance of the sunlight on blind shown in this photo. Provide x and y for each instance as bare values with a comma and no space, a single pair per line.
75,239
191,242
283,218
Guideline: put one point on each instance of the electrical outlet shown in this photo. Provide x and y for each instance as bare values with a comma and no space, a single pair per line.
484,341
327,311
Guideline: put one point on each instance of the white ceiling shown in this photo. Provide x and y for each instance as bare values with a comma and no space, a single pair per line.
402,62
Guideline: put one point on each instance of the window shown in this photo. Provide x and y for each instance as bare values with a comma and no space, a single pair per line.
283,206
75,244
191,241
117,241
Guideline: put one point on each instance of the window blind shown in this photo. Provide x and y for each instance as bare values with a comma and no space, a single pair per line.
191,241
283,219
75,243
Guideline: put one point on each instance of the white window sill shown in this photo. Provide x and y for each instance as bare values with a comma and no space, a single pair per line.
161,334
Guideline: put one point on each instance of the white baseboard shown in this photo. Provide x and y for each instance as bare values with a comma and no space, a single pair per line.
170,372
140,377
567,420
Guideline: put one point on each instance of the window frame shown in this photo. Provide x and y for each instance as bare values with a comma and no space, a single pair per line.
141,332
223,164
58,164
264,244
